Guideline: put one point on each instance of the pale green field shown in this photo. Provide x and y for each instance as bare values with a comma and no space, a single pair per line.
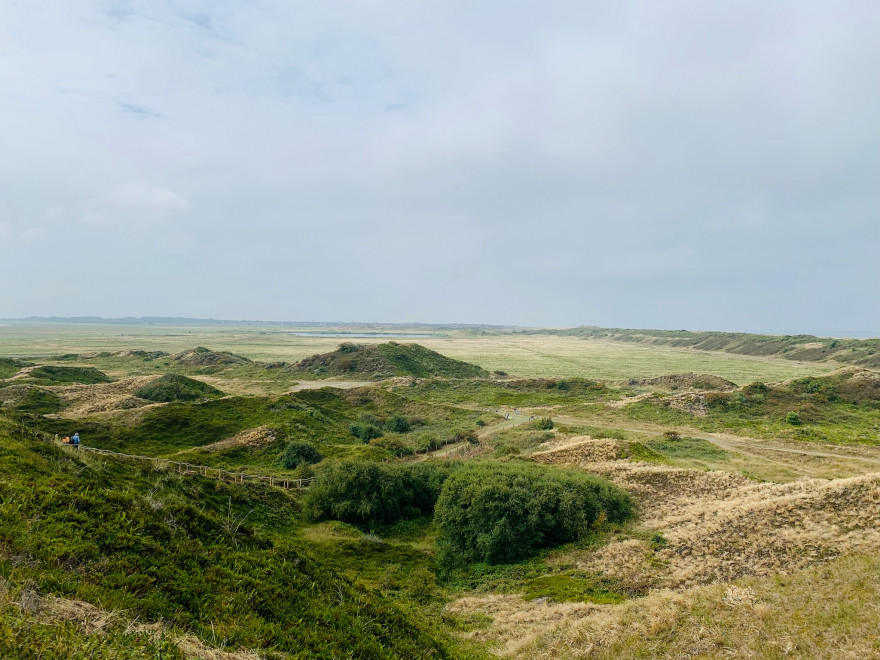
524,355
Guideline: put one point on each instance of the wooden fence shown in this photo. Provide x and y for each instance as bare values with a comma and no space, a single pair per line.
203,470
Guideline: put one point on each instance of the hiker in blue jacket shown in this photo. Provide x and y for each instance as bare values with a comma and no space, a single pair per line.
74,440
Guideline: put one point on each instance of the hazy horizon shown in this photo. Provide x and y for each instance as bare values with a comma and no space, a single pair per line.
635,165
183,321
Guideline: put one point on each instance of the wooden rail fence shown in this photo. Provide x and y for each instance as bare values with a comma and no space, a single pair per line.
203,470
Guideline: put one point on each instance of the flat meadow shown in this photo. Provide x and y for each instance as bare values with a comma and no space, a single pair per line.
517,354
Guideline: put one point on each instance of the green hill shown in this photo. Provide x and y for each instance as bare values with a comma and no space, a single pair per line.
174,558
205,357
173,387
807,348
49,375
384,361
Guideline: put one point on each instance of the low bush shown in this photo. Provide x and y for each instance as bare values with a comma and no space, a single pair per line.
370,494
298,453
365,432
544,424
501,512
398,424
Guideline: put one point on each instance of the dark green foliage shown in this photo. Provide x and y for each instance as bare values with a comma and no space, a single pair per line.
501,512
298,453
544,424
172,387
398,424
793,418
61,375
364,432
386,360
375,493
163,549
39,402
10,367
671,435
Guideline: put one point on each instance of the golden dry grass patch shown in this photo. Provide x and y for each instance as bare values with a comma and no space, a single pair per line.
81,400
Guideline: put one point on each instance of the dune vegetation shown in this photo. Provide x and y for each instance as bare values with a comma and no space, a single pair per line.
430,508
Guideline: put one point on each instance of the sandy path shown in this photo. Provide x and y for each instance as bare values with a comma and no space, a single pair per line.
339,384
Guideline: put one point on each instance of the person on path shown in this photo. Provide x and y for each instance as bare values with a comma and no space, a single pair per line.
75,441
66,440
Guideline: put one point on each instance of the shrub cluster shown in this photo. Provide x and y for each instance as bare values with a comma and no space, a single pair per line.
365,432
298,453
499,512
368,494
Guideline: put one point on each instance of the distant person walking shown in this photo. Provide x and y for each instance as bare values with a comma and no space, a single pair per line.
66,440
75,441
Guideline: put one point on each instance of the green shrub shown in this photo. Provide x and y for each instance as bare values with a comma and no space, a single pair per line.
173,387
365,432
303,471
793,418
368,494
544,424
298,453
672,435
500,512
398,424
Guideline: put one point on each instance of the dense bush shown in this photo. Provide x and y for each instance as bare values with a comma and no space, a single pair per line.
498,512
172,387
298,453
365,432
544,424
376,493
398,424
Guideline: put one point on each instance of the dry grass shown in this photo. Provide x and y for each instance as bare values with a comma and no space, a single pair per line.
256,437
828,611
92,620
744,570
81,400
831,611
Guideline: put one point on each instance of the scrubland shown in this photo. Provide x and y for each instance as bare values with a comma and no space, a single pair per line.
645,502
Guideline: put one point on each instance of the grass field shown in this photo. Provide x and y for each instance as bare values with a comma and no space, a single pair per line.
524,355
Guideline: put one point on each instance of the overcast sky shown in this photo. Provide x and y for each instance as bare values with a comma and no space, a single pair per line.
701,165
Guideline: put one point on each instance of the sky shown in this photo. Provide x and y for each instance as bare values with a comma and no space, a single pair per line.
677,164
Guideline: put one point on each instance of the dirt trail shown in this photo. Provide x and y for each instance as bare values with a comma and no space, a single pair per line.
747,445
339,384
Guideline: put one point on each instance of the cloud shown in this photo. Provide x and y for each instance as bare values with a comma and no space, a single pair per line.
634,163
135,202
